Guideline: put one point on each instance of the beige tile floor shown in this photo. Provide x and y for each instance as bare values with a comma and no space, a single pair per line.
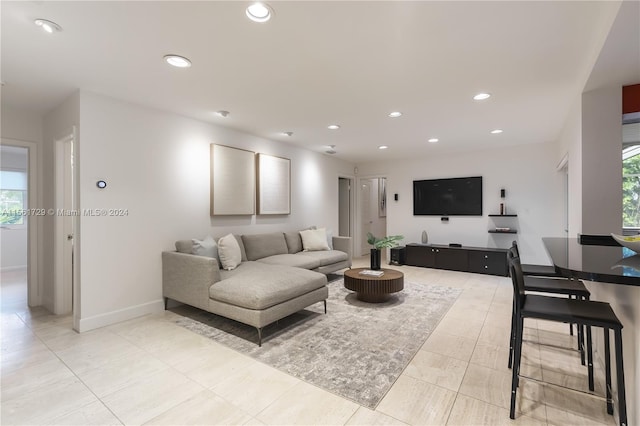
150,371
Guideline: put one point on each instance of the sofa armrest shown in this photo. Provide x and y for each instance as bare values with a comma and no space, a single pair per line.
186,278
343,244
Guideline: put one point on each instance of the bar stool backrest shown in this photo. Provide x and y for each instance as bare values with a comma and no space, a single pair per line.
514,247
517,278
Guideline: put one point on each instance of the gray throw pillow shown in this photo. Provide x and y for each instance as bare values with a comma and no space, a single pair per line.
294,242
184,246
206,247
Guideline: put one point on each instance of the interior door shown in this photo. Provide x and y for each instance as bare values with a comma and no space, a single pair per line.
367,204
344,207
64,227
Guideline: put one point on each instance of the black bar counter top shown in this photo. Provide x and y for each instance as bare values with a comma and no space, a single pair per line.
610,264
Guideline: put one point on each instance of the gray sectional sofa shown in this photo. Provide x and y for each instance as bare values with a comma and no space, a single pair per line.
275,278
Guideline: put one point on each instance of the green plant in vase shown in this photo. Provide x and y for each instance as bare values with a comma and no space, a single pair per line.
379,244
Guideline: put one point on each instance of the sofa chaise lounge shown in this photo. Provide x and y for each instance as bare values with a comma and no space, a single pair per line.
275,278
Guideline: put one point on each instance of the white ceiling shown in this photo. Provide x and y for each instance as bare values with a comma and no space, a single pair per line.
318,63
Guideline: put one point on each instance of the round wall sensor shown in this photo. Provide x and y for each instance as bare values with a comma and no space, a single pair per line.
101,184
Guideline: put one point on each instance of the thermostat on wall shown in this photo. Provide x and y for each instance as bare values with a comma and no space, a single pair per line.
101,184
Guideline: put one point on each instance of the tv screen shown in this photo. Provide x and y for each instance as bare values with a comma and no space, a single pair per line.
448,197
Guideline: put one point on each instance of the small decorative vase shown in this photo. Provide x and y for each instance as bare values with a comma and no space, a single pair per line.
375,259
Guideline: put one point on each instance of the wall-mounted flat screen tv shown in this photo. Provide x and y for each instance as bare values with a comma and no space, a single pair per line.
448,197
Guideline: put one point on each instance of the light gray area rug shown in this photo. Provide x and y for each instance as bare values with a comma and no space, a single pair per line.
357,350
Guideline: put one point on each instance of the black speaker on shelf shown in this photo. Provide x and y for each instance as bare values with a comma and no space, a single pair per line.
397,256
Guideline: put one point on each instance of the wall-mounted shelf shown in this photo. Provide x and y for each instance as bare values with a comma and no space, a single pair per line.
501,230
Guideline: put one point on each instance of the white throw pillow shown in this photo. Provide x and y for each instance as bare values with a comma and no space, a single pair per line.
330,239
314,239
206,247
229,251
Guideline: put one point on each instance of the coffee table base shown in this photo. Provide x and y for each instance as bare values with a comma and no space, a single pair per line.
374,298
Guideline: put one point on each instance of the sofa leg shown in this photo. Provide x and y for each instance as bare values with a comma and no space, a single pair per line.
166,302
325,306
259,337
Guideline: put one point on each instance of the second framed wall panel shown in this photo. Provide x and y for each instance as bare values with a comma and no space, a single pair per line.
274,184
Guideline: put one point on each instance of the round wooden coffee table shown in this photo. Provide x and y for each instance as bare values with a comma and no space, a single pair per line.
373,289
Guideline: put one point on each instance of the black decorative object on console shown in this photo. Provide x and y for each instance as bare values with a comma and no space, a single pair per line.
375,259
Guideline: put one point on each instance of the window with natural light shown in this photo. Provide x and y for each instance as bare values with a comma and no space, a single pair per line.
631,186
13,197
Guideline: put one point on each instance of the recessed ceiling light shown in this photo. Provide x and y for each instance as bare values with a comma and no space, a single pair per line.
496,131
433,140
48,26
481,96
259,12
177,61
288,133
333,127
383,147
395,114
222,113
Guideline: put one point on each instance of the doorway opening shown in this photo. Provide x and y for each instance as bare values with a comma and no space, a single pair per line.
372,211
563,169
14,225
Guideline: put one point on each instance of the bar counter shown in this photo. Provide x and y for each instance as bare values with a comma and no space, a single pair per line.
610,264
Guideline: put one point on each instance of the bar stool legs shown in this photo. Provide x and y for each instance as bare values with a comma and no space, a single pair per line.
590,359
622,402
607,362
622,399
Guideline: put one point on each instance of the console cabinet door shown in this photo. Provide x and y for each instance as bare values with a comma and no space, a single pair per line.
488,262
452,259
420,256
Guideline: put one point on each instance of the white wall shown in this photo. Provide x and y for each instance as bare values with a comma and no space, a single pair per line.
602,161
156,166
21,124
533,192
601,150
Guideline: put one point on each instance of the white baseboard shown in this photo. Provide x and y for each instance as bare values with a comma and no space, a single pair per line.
12,268
103,320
